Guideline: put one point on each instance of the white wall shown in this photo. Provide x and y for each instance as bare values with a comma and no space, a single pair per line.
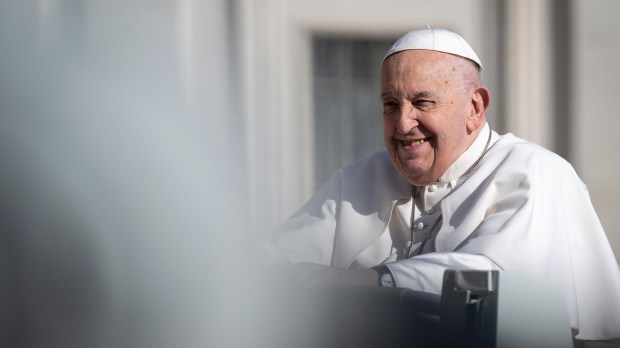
596,117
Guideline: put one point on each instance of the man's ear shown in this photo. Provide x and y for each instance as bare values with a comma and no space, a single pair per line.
480,101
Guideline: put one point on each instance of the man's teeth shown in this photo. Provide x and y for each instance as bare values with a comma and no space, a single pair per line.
413,143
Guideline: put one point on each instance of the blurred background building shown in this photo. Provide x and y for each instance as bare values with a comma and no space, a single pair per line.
195,123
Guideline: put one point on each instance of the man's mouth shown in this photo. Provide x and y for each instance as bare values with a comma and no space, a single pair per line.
413,143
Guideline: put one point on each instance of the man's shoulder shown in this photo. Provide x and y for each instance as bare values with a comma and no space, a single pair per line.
513,146
513,151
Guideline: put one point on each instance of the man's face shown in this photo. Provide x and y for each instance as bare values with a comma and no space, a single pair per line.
426,113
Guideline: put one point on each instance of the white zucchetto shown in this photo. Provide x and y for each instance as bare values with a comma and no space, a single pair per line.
441,40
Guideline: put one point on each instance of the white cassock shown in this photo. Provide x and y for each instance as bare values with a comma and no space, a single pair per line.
522,209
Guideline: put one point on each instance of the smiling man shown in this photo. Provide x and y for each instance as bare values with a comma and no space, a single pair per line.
450,193
430,115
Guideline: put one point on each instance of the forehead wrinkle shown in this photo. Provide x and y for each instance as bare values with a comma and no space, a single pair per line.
412,96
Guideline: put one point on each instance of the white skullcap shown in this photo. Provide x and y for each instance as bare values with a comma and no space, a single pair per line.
441,40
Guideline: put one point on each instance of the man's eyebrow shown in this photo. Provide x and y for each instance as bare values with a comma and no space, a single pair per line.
421,94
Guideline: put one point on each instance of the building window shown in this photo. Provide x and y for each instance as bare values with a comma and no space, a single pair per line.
348,122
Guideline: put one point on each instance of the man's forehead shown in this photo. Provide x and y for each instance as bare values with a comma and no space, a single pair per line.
417,63
417,74
420,56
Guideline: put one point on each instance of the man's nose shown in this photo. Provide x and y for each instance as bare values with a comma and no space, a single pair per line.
406,120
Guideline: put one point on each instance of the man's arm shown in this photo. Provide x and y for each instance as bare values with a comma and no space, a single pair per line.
308,235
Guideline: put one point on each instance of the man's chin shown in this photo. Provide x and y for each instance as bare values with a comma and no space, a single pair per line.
415,175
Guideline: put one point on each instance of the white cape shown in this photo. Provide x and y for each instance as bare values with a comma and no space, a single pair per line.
523,209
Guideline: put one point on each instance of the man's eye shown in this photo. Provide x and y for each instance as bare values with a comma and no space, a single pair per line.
389,107
424,104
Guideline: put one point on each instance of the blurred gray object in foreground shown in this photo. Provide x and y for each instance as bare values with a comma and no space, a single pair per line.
477,309
117,178
503,310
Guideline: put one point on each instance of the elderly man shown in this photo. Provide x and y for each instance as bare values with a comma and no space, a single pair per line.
450,193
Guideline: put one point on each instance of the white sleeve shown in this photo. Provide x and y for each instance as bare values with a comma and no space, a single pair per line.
425,272
308,235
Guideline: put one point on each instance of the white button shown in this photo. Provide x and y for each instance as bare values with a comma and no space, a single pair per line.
419,225
432,188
